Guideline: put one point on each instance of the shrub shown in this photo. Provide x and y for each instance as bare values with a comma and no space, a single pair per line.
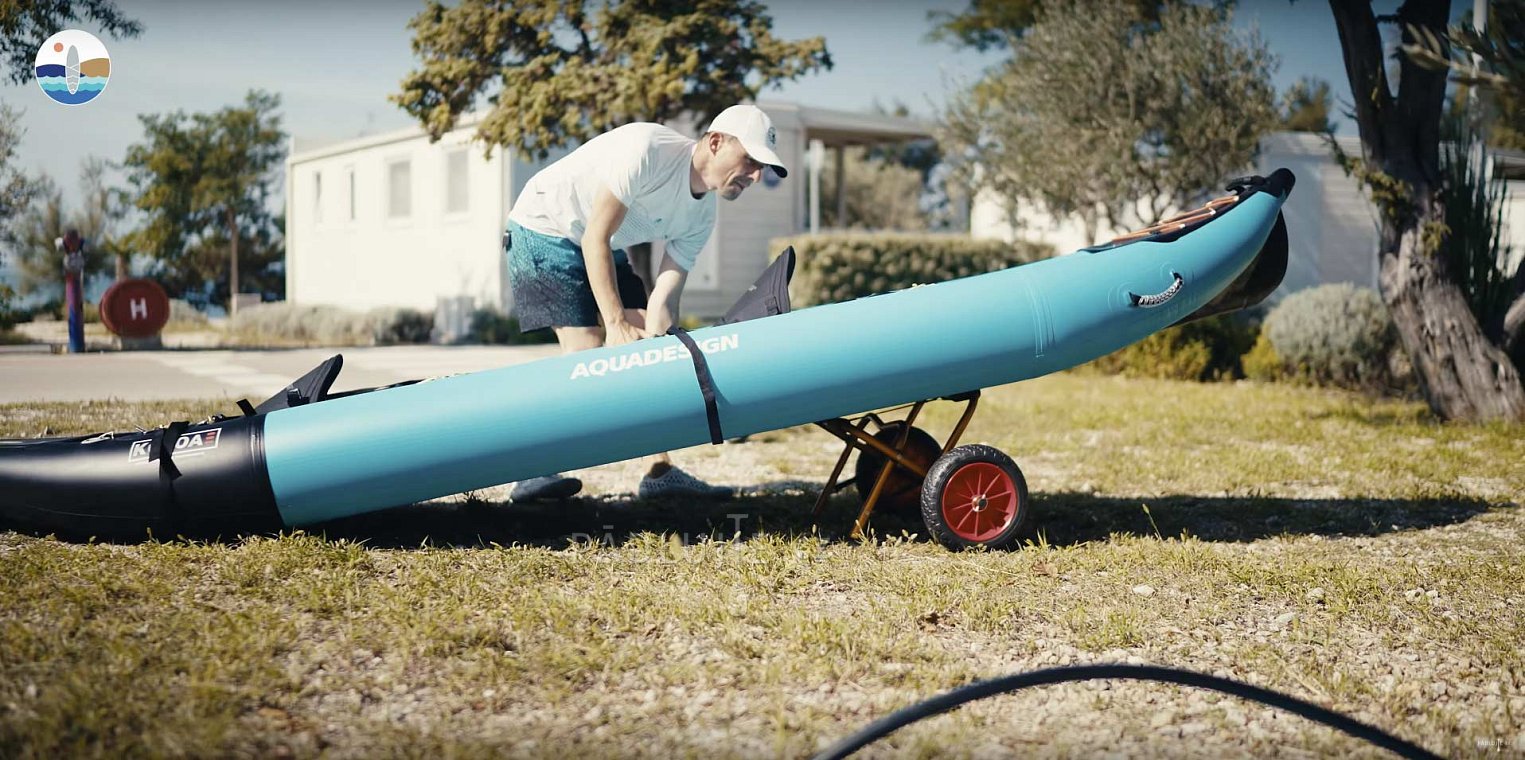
283,321
1335,334
1208,349
494,327
8,316
842,266
391,325
182,313
1476,246
1262,363
57,310
1228,337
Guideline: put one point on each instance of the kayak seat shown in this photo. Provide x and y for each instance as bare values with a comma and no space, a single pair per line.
768,296
307,389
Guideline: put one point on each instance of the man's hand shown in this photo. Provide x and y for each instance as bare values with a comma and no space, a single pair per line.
620,332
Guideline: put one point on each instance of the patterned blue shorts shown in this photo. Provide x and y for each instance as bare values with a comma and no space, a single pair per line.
550,281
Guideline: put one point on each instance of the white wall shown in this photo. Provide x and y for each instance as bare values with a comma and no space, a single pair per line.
1331,224
376,259
989,217
1514,220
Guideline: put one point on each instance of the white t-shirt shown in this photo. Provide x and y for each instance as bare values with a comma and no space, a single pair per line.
646,167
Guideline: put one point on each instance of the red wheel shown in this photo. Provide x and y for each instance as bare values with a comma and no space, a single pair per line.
975,496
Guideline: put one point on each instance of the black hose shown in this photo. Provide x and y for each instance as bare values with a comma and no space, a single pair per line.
982,689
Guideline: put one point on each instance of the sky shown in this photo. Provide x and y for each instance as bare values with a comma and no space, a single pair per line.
333,64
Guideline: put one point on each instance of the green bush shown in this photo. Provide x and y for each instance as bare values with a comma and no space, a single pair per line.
1475,247
494,327
286,322
8,315
838,267
43,312
57,309
1337,334
1208,349
392,325
1261,362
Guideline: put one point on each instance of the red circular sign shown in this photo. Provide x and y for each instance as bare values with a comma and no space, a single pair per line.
135,308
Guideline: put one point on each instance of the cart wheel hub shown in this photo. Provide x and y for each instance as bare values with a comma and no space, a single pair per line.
979,501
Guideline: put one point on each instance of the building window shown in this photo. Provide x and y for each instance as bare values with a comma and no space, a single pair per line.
455,182
351,172
317,196
400,189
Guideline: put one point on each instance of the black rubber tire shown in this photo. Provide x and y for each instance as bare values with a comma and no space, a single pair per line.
902,495
945,470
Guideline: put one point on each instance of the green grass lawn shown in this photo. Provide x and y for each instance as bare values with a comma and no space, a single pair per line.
1351,552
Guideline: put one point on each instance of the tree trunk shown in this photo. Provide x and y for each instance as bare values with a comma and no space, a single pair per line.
121,267
1462,374
233,276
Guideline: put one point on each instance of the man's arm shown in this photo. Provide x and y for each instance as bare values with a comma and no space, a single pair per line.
598,258
662,312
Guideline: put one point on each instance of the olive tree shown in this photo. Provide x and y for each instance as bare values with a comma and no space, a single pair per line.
1116,112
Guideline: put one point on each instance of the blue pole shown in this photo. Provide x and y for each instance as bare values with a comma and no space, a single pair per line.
73,295
73,247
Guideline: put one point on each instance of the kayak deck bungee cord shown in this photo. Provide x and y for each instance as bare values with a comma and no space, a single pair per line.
307,456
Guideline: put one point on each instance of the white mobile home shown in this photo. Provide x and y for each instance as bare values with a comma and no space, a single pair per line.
393,220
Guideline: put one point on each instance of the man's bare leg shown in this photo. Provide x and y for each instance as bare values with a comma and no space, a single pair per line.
660,463
556,486
574,339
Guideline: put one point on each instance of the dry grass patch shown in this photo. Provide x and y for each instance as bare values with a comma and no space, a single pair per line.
1350,552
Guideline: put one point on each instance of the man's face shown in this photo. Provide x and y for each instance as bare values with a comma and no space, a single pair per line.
734,169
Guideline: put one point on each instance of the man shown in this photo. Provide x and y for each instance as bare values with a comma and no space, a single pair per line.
638,183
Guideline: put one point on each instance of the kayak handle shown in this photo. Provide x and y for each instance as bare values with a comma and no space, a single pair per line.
1158,299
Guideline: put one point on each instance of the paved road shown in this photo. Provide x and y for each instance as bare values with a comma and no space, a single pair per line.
31,375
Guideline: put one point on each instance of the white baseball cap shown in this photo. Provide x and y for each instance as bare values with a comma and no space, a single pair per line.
755,131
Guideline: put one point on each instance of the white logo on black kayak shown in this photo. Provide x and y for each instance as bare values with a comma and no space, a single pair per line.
189,444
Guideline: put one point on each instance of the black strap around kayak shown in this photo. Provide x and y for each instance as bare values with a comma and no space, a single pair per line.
164,451
706,383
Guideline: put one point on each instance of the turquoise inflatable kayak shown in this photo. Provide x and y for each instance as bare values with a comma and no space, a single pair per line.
326,456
